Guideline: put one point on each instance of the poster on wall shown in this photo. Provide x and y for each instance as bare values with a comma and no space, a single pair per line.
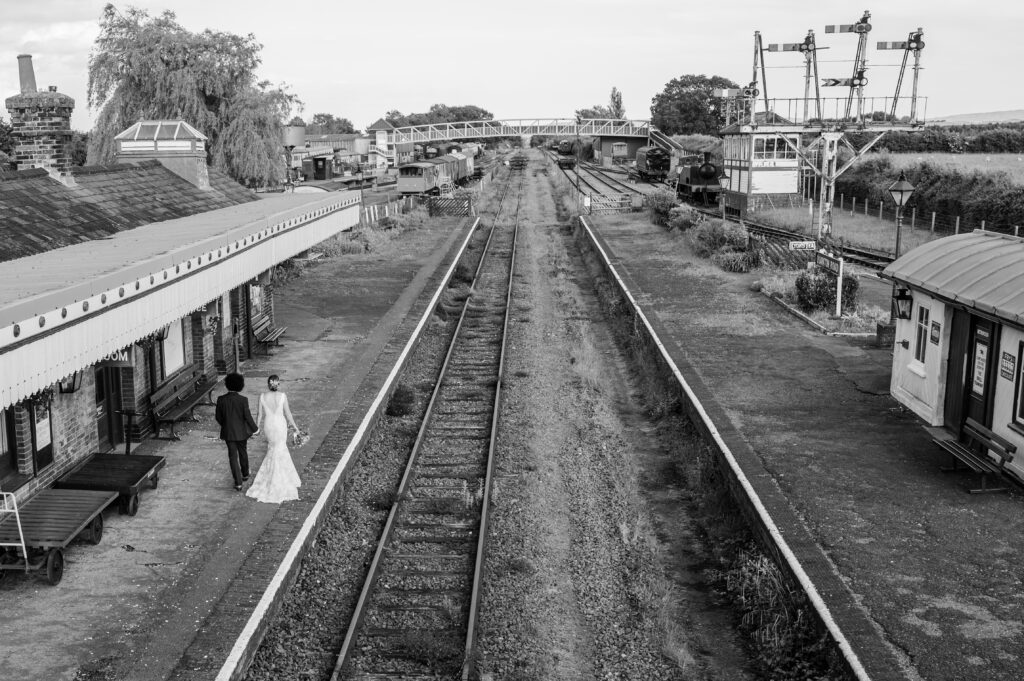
936,332
980,363
1007,366
42,418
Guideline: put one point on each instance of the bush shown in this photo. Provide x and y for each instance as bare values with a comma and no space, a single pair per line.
683,218
817,291
659,205
713,236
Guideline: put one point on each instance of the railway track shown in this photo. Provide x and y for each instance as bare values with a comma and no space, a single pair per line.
875,260
416,614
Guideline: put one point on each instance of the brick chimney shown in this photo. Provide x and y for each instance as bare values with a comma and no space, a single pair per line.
41,125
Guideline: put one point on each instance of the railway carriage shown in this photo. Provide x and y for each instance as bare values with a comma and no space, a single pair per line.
652,163
417,178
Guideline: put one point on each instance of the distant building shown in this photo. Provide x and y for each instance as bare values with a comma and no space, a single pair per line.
119,283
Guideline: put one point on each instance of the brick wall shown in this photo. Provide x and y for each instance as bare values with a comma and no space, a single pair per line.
202,343
74,434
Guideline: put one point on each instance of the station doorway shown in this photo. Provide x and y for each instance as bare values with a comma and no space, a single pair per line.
970,377
108,403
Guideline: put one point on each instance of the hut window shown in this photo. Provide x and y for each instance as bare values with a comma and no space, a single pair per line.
921,343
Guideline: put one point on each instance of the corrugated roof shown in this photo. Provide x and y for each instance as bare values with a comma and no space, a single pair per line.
147,248
980,270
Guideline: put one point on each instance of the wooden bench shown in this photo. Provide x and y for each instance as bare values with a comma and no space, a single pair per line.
122,473
179,397
265,333
980,463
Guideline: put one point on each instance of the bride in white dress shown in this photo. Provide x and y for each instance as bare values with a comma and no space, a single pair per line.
277,480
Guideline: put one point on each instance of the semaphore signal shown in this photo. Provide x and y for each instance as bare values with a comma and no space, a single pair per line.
914,43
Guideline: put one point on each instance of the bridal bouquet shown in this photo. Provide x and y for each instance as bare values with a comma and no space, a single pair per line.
299,438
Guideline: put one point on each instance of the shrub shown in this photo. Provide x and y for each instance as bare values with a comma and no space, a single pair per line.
817,291
388,222
738,261
683,218
659,205
712,236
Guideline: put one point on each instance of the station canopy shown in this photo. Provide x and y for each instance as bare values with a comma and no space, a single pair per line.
979,270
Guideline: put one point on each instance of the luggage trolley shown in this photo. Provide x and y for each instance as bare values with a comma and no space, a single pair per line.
34,537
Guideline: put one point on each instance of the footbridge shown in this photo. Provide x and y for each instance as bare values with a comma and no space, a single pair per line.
551,127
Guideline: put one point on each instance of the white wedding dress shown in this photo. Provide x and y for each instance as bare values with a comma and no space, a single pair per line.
277,480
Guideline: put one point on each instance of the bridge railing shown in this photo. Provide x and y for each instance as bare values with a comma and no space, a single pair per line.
517,127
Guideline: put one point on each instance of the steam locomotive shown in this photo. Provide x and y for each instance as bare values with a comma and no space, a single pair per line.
697,180
652,163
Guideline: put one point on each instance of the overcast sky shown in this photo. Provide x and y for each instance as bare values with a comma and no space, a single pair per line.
542,58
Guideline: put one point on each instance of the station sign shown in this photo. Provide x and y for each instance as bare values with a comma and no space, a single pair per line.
803,245
118,358
828,262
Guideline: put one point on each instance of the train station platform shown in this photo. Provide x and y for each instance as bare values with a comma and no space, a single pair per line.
167,592
924,579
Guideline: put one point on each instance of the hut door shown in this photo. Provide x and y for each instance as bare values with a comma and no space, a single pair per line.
980,374
959,335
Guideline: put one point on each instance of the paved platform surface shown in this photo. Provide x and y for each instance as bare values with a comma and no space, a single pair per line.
166,592
925,577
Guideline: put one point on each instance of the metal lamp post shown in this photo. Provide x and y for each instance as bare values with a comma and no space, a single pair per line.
724,182
900,191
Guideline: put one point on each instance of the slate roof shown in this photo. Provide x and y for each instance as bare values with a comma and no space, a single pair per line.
980,270
380,124
38,213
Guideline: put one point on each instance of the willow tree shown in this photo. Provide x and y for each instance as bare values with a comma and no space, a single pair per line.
144,67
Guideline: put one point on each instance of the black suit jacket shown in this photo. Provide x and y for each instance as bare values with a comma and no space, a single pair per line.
234,417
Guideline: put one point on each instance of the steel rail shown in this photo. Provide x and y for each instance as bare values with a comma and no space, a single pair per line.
375,570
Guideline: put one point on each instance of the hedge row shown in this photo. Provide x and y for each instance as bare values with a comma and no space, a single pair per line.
974,196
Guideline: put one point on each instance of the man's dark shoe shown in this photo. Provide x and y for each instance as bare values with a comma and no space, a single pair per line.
238,488
244,478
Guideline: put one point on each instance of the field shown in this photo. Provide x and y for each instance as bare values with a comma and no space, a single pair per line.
1011,164
864,231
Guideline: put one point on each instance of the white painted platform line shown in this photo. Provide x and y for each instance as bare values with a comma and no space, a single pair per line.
277,581
773,530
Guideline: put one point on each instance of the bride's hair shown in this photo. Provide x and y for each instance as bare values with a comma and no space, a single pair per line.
273,378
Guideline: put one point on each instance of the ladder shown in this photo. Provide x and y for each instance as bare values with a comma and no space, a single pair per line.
9,507
446,187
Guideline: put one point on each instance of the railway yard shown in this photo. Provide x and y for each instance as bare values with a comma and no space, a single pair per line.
510,479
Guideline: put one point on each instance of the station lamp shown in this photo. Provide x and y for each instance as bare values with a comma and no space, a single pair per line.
724,181
904,302
900,191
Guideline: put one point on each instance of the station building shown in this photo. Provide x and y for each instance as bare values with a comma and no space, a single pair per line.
117,281
762,165
959,349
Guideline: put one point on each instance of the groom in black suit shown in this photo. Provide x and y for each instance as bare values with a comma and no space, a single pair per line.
236,426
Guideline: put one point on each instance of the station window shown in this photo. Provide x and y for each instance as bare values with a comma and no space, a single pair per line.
172,348
921,342
8,445
771,148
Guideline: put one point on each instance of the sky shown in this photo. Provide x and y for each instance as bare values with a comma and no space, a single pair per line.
542,58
